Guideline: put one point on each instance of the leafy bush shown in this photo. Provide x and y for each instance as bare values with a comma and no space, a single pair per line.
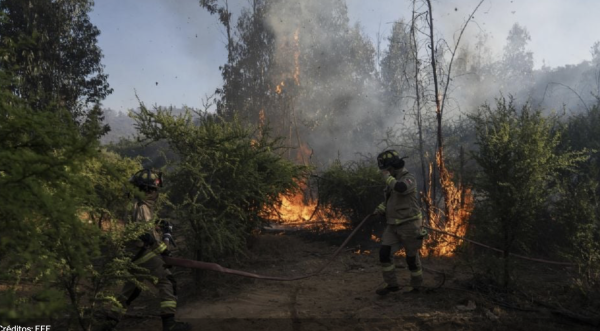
53,182
353,188
520,162
578,211
225,178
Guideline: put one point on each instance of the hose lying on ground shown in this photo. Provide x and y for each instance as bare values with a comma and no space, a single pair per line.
185,263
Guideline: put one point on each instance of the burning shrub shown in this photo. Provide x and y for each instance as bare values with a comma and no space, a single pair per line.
352,189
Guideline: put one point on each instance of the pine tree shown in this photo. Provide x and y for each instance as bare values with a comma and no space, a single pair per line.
516,67
397,66
51,49
55,260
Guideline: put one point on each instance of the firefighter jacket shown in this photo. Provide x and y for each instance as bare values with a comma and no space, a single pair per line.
401,198
144,212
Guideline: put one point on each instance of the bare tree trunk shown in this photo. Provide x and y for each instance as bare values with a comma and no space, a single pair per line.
418,102
438,113
227,23
452,203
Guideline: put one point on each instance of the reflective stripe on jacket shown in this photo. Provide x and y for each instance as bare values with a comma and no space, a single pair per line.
148,254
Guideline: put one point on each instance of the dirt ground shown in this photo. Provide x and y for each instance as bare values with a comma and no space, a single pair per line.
341,298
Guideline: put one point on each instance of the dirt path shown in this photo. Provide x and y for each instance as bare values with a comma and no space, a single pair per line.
343,298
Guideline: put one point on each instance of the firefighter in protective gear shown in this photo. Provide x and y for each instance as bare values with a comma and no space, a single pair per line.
146,253
404,221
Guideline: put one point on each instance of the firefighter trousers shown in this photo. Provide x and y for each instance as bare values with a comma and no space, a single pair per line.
407,235
163,282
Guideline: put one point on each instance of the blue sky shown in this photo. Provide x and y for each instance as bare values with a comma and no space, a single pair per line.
169,51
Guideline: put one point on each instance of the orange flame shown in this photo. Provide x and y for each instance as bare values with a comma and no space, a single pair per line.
278,88
363,252
460,202
298,210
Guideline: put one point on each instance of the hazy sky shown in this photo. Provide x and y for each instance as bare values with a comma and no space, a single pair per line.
169,51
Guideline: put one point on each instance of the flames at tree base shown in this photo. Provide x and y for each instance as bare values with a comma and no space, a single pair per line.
302,211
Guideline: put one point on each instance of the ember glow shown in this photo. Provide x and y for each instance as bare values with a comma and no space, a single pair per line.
363,252
279,87
375,238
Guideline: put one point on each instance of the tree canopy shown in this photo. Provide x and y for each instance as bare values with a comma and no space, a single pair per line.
50,48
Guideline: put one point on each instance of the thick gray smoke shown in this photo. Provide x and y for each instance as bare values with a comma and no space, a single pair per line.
333,97
333,66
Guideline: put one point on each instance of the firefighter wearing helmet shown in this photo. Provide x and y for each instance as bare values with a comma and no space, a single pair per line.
404,221
146,252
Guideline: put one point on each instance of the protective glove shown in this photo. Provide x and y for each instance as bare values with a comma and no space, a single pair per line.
385,174
387,177
422,234
167,238
380,210
167,232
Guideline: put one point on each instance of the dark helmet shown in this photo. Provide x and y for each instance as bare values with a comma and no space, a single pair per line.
146,179
390,159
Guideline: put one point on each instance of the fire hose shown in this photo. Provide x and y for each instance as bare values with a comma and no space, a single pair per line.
186,263
216,267
499,250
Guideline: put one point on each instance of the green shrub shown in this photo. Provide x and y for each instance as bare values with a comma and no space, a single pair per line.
225,178
54,180
520,163
578,211
353,189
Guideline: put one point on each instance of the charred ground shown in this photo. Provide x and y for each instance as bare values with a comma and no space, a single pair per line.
343,296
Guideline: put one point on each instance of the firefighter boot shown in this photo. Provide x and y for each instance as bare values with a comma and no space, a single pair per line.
416,278
169,324
388,271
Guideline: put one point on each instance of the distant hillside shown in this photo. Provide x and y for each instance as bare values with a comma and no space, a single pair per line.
122,126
